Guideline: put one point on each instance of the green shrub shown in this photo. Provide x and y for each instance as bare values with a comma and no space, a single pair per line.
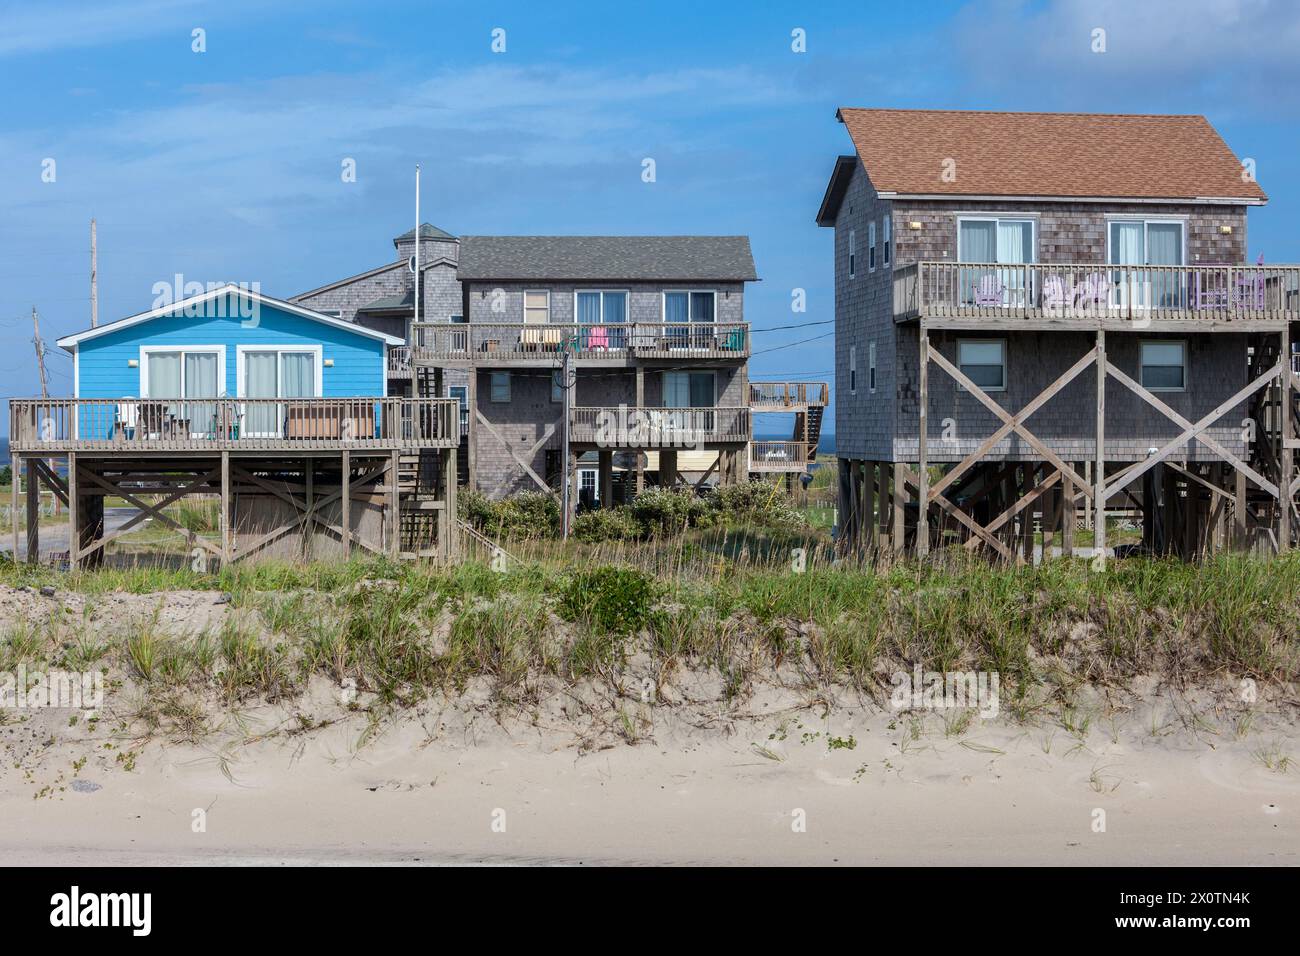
609,599
756,502
529,514
663,511
606,524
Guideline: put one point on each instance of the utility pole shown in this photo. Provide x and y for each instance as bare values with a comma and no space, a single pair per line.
40,352
416,313
564,455
94,278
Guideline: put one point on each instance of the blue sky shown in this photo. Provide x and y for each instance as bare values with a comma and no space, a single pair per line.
225,165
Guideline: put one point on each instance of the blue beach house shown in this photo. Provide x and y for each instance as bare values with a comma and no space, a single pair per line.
172,372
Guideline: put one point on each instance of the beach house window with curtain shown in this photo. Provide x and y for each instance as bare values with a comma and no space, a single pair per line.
289,372
1146,242
689,316
188,374
1008,242
603,317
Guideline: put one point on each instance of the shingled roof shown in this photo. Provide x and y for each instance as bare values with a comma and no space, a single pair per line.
622,258
1056,155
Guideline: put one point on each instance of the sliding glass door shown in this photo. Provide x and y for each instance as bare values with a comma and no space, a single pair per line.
275,373
1007,242
1140,243
184,375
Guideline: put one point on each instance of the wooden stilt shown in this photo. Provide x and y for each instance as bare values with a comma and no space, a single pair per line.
869,504
900,508
15,477
1069,517
450,507
605,475
640,455
227,519
1239,515
1288,452
74,514
394,507
1099,469
309,526
33,513
347,505
923,462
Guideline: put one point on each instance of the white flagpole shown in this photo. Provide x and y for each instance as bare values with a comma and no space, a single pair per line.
417,247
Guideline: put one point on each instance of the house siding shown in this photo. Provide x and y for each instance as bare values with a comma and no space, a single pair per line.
103,372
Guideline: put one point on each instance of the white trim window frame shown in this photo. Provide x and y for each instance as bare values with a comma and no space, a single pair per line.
603,334
460,392
1002,363
182,350
1119,286
871,246
853,370
887,229
256,425
1143,365
545,309
853,253
1011,281
690,338
871,367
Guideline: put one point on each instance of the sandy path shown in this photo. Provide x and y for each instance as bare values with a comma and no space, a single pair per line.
1173,798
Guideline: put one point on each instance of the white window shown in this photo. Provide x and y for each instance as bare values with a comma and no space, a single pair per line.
279,371
871,366
182,372
984,362
886,224
1164,365
853,249
500,386
588,486
537,306
853,369
600,306
993,241
685,306
332,313
871,246
1146,242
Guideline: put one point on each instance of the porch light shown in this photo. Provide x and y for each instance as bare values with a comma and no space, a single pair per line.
1225,230
914,225
329,363
132,363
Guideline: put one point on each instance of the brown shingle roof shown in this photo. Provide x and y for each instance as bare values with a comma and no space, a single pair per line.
1046,154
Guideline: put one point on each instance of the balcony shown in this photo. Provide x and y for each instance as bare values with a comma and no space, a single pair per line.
487,343
1096,295
787,396
226,424
623,426
399,361
778,456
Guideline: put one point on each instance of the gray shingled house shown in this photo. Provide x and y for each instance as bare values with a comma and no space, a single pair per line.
1044,316
653,331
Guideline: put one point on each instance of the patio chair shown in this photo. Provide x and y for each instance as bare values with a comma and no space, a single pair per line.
1054,294
1094,291
128,416
989,291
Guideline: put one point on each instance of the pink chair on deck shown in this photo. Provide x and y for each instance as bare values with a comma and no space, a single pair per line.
597,337
989,291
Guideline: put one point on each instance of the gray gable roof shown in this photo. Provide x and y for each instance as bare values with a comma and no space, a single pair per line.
653,258
427,231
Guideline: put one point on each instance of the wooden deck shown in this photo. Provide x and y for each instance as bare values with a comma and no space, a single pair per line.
641,427
517,343
1074,296
269,426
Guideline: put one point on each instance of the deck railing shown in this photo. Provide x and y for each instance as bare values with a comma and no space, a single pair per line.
1047,289
629,426
90,424
778,456
774,396
399,361
492,341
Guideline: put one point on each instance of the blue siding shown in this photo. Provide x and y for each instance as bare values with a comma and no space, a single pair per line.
358,370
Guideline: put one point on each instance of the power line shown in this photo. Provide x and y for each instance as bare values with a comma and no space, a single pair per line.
800,325
790,345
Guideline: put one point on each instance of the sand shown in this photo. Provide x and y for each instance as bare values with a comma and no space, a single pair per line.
457,786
